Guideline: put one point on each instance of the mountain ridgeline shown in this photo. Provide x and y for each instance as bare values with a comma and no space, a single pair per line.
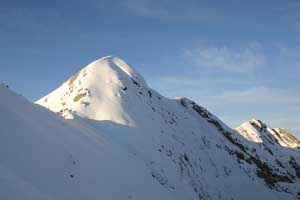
110,136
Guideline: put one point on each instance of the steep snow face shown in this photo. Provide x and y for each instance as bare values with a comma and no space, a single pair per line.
257,131
98,92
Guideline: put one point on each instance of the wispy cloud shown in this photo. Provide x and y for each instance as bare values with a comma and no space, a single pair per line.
192,87
246,59
261,95
168,10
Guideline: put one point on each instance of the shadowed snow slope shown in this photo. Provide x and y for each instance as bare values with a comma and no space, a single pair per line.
122,140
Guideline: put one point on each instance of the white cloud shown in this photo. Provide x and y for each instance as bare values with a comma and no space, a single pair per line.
242,60
261,95
191,87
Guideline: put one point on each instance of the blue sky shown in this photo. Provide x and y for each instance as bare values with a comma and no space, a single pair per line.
240,59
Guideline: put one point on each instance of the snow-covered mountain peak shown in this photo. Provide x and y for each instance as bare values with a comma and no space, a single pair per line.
257,131
99,91
167,149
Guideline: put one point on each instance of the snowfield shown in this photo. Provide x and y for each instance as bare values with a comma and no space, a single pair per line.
107,135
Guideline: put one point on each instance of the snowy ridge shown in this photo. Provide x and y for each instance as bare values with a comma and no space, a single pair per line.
121,132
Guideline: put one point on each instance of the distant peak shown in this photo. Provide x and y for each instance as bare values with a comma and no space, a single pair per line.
257,131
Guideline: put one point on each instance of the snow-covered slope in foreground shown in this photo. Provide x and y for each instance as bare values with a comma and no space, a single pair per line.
45,157
123,140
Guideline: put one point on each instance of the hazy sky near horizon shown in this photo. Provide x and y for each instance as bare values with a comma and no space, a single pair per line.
238,58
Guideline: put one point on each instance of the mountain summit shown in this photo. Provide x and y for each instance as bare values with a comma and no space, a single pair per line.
120,139
100,91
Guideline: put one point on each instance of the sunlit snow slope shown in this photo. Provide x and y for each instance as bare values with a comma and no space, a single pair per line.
103,90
